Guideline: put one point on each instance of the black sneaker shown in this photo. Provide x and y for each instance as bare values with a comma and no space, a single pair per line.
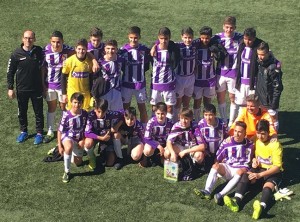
119,164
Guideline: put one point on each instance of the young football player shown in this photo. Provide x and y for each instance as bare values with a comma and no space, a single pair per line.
266,171
233,158
185,72
70,134
95,45
165,60
226,78
137,59
111,65
156,132
100,128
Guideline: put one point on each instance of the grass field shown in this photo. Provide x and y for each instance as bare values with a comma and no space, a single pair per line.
31,190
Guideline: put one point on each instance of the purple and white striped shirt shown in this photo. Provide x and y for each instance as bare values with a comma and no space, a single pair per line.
228,66
163,77
156,134
245,65
205,76
134,68
54,63
183,136
97,52
99,127
73,126
111,72
237,155
211,136
187,64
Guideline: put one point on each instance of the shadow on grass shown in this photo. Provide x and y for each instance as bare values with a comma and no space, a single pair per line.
289,127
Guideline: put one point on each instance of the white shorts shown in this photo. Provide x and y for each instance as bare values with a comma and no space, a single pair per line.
240,95
208,92
54,94
229,172
76,151
181,148
169,97
224,83
140,95
114,98
184,86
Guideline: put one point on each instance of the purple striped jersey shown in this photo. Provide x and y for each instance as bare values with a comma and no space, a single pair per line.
97,52
111,72
237,155
163,77
54,63
228,66
245,65
99,126
186,66
134,67
205,75
137,130
211,136
72,126
183,136
156,134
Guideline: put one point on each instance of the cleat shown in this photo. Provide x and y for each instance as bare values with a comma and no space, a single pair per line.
257,209
48,137
38,139
22,137
218,199
119,164
92,162
66,177
231,203
203,194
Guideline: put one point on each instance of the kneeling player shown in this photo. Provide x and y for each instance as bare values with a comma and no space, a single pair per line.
233,159
70,134
266,169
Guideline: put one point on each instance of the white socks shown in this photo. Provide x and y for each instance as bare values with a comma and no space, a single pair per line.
230,185
50,121
67,162
222,111
233,113
211,180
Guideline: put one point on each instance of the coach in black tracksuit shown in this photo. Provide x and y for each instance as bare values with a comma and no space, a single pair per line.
25,63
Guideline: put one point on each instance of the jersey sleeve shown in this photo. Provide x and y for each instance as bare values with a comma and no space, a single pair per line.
277,154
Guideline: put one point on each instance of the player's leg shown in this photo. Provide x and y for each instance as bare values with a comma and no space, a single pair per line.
137,152
197,95
221,97
51,98
23,99
37,104
148,150
233,107
170,100
126,97
141,98
68,147
89,144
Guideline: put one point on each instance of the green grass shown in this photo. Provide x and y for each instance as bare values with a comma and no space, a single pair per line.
31,190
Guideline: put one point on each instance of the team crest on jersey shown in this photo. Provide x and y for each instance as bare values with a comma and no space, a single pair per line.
107,123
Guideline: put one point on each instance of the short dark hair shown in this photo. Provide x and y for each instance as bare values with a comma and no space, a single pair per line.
205,30
187,31
96,32
187,112
57,34
164,31
82,42
112,42
250,32
230,20
263,125
210,108
130,112
263,46
241,124
78,96
161,106
101,104
134,30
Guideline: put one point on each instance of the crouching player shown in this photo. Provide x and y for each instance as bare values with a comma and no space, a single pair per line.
100,128
70,134
182,142
157,130
131,133
232,160
266,170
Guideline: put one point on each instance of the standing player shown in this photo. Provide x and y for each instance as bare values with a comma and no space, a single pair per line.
246,66
70,134
25,62
76,75
165,60
185,72
268,83
156,132
233,158
111,65
266,171
55,54
95,46
137,59
228,68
